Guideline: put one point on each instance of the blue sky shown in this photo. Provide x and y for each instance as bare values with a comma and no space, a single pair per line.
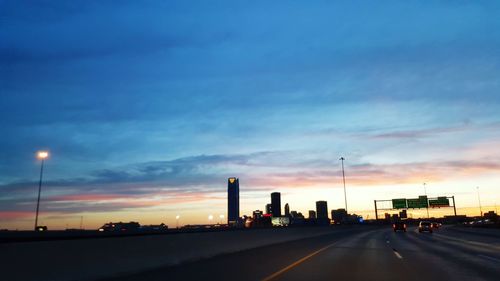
160,101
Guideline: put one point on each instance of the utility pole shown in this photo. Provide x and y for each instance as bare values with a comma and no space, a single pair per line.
479,200
343,177
454,206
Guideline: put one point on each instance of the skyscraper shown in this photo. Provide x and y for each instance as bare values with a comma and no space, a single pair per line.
321,210
287,210
233,200
276,204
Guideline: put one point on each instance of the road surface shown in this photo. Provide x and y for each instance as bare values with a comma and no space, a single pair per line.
359,253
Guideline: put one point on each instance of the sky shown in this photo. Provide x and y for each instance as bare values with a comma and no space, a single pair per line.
148,107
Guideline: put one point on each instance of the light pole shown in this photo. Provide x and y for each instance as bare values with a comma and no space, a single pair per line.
42,155
426,203
479,200
221,217
343,177
177,221
210,218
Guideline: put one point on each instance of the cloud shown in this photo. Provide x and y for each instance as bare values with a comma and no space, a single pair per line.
136,101
201,178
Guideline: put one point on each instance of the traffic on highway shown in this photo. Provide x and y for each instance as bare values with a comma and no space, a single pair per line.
426,251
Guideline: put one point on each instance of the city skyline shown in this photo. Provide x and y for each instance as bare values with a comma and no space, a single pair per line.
149,122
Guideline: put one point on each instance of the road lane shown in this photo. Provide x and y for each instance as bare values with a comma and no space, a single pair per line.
372,256
458,261
353,254
253,264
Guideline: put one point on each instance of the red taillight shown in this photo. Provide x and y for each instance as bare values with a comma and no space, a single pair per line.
404,225
394,226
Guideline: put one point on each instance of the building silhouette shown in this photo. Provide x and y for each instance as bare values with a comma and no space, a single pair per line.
276,204
339,216
321,210
233,200
287,210
322,213
269,211
312,214
257,214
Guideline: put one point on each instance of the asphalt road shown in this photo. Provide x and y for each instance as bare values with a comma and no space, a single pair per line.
360,253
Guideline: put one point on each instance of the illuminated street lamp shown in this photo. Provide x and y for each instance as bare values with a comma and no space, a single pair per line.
221,217
42,155
177,221
343,177
210,218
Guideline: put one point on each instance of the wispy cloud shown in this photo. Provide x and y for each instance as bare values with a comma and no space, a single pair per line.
200,178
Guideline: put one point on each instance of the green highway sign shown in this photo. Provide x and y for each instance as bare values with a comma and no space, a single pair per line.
418,203
439,202
399,203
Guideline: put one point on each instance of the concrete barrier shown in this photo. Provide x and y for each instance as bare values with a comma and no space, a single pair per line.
91,259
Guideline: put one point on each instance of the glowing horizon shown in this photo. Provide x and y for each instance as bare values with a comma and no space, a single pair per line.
146,119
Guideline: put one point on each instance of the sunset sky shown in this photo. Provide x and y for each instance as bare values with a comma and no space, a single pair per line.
147,109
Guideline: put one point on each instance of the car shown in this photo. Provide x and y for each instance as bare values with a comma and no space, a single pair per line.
399,225
425,226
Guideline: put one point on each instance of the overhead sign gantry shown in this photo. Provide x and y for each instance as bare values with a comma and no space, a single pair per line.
422,202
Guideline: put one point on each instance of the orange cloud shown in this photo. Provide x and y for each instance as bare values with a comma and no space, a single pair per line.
13,215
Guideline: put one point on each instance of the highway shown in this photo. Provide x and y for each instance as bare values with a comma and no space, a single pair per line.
357,253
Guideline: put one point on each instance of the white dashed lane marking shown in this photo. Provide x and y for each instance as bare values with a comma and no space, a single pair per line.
488,258
397,254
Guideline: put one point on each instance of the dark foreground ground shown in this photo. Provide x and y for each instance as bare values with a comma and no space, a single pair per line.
450,253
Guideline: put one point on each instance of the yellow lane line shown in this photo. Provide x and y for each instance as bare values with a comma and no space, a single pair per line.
277,273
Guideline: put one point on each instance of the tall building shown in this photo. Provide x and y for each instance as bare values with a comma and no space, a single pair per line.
269,211
312,214
276,204
233,200
287,210
321,210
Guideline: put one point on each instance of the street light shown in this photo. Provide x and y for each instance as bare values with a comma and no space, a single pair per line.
343,177
210,218
177,221
42,155
221,217
479,200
